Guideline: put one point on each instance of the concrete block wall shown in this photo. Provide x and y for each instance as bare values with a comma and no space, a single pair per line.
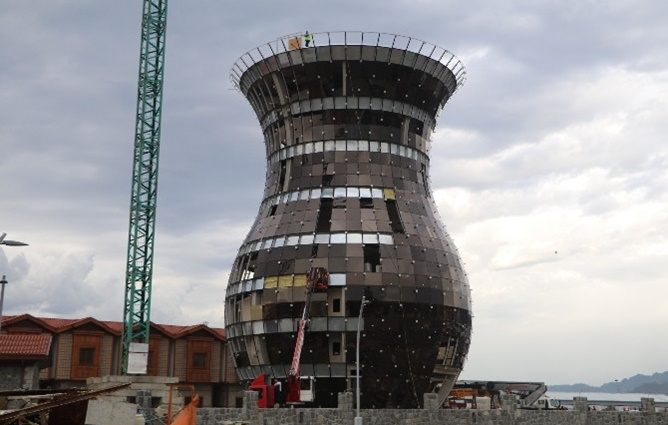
31,376
158,386
11,377
107,411
114,408
509,415
19,377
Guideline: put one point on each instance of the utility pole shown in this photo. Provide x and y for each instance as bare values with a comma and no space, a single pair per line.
358,417
3,281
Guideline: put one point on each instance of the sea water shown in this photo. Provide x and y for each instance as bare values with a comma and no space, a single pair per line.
622,397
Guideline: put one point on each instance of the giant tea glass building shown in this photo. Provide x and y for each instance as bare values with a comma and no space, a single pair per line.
347,123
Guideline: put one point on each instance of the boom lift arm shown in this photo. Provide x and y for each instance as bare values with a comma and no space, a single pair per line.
317,280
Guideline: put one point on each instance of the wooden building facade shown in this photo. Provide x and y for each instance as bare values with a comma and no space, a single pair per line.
84,348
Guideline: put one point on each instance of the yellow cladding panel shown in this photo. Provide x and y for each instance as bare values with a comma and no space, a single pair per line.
300,280
389,194
294,43
285,281
271,281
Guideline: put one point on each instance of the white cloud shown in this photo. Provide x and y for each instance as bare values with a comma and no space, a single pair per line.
561,234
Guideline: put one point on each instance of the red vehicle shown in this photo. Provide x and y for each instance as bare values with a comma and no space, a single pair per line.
263,385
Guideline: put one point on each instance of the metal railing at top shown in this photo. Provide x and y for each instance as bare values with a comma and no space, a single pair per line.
296,41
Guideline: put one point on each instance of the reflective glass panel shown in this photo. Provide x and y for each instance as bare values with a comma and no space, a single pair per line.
306,239
322,370
337,324
318,324
386,239
337,279
285,325
338,238
338,370
370,238
322,238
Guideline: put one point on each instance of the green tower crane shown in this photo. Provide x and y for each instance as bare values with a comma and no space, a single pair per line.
139,271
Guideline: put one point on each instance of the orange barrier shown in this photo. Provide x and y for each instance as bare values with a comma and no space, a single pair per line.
187,415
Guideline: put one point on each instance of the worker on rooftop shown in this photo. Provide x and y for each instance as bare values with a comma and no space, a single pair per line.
307,38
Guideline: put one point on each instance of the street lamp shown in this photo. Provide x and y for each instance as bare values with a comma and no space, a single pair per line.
7,242
358,418
3,282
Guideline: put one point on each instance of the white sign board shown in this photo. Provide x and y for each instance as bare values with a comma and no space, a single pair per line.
138,358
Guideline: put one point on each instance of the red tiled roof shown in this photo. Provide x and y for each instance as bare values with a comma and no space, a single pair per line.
30,345
176,331
220,332
57,322
116,326
58,325
172,329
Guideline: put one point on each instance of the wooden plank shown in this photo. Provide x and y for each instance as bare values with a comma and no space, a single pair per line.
153,356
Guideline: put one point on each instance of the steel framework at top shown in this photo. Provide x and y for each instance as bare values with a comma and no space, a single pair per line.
350,38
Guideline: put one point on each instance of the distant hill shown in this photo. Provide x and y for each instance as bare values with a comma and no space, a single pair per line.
656,383
574,388
653,388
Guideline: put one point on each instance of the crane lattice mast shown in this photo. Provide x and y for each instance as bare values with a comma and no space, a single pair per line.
139,271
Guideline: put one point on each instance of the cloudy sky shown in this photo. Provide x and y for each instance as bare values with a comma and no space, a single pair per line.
549,166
